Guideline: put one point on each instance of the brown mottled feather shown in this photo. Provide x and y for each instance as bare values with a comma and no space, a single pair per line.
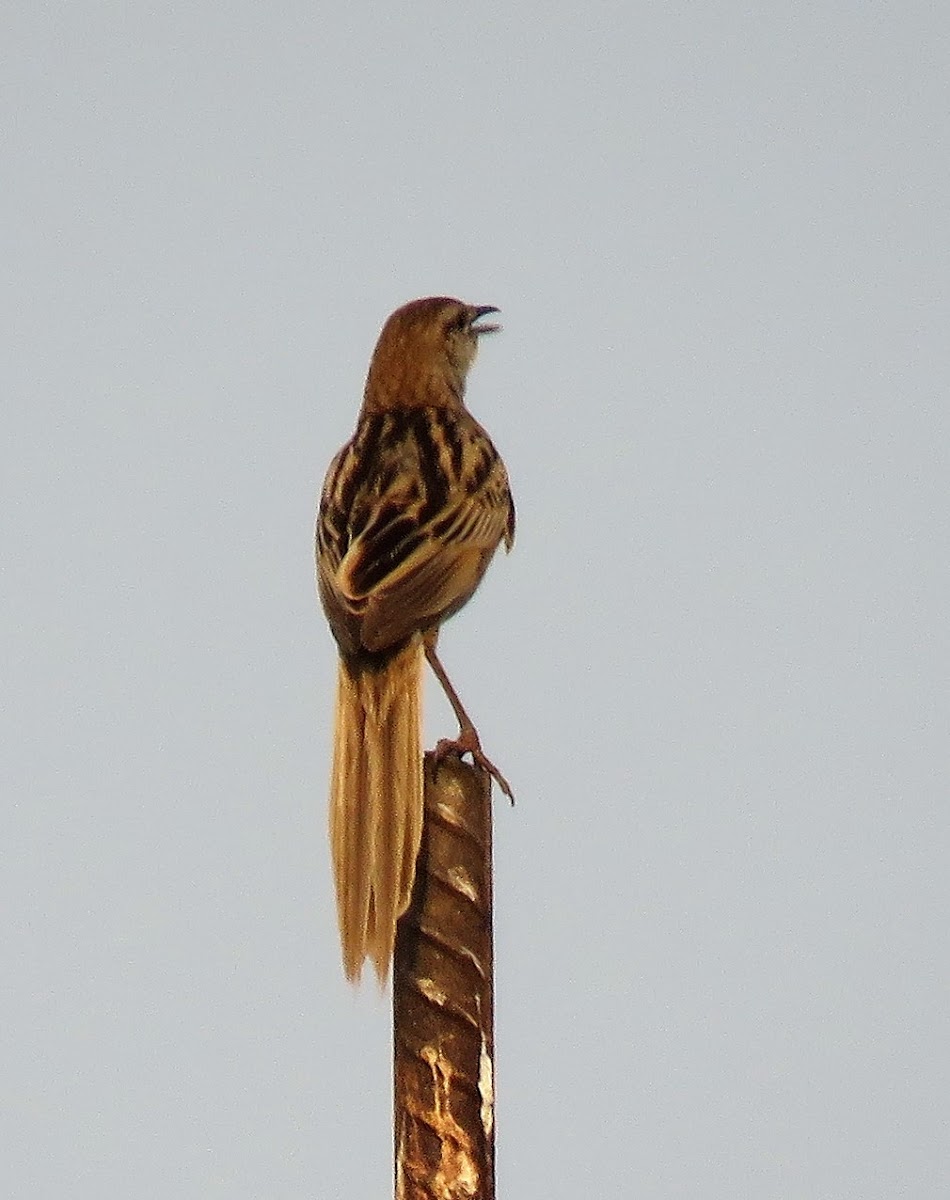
412,511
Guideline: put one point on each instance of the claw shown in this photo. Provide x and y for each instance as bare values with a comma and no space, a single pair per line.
468,742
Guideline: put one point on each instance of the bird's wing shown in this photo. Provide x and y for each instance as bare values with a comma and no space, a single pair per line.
407,574
403,544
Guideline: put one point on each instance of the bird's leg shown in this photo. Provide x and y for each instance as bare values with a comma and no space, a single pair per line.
468,741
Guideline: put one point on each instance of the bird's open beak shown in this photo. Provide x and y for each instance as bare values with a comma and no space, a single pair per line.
482,311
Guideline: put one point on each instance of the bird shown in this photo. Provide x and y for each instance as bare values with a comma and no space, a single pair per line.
412,511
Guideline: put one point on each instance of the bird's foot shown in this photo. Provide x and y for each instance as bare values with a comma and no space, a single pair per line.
468,742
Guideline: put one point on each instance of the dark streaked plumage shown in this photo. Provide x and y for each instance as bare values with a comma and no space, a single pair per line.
412,511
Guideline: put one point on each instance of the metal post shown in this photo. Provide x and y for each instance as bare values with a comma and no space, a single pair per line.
443,1018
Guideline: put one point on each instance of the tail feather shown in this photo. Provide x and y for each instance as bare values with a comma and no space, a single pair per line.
376,803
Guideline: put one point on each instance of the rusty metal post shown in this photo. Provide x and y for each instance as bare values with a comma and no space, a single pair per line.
443,1016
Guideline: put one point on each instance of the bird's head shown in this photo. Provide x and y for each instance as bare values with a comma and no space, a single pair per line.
425,351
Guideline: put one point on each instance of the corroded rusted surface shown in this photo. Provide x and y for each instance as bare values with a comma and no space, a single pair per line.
442,999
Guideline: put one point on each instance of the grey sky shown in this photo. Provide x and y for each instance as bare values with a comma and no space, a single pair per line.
714,667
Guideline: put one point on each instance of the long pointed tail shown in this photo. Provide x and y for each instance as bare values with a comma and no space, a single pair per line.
376,803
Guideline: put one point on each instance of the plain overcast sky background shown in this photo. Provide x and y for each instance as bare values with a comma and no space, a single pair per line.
715,666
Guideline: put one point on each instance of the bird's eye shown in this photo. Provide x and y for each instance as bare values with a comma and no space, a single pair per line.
456,323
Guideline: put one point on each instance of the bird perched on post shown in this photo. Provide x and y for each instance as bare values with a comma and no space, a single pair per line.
413,508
